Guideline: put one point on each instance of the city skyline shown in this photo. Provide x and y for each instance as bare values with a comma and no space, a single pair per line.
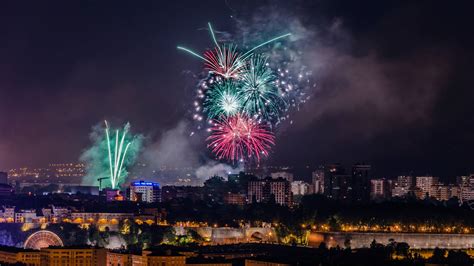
413,115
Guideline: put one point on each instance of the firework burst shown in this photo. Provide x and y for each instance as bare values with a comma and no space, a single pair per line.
239,96
260,96
225,62
238,137
222,99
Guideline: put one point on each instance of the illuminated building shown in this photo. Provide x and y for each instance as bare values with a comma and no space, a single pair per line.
424,183
300,188
466,188
454,191
380,188
26,216
165,258
317,185
73,256
280,190
100,218
234,199
7,215
113,195
145,191
55,214
402,186
255,191
13,255
88,256
444,192
264,190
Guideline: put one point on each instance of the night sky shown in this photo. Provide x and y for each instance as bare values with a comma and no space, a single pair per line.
394,79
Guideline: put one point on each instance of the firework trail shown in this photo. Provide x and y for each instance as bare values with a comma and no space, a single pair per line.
226,61
112,152
236,137
117,155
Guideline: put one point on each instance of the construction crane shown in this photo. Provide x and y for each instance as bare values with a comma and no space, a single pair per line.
100,181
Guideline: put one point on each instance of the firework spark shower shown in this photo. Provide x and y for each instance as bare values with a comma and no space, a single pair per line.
113,151
242,97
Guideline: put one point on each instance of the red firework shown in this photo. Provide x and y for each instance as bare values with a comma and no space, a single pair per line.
238,136
224,61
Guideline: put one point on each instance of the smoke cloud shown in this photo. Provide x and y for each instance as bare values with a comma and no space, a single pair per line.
367,91
213,168
181,148
175,148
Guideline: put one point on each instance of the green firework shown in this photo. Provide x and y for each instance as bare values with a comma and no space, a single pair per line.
222,99
260,97
112,153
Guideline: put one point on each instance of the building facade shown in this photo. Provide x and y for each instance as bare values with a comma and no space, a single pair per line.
145,191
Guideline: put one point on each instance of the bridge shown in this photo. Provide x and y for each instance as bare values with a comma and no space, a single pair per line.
415,240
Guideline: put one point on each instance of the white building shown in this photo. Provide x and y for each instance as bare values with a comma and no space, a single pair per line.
145,191
300,187
317,184
26,216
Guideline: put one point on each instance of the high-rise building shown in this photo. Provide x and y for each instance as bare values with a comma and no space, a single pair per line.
361,182
145,191
3,178
402,186
317,185
283,174
341,187
263,190
424,183
300,188
380,188
280,190
466,188
255,191
443,192
454,191
330,171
